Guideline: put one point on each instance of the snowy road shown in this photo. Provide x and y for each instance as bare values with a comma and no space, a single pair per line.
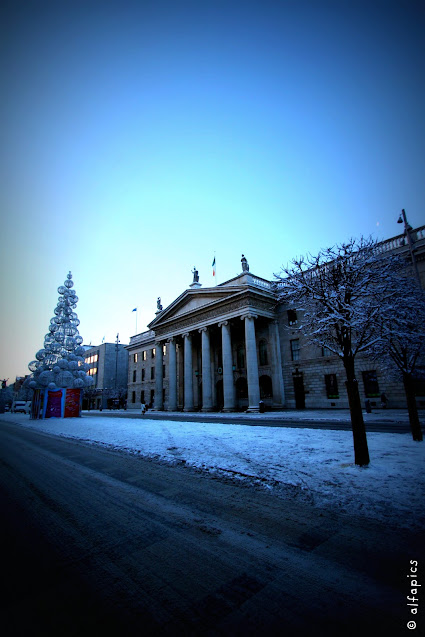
173,550
318,463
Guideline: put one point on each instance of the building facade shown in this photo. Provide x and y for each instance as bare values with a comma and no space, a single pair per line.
108,366
229,347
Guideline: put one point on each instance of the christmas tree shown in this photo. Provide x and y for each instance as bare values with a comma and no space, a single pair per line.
60,364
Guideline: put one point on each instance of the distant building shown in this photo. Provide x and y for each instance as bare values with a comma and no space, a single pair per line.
108,365
18,387
141,369
231,346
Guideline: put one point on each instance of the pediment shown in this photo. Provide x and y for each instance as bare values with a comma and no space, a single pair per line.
193,301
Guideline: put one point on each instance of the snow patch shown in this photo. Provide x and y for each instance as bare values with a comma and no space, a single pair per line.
312,464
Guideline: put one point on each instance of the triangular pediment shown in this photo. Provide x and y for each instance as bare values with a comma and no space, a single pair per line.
195,300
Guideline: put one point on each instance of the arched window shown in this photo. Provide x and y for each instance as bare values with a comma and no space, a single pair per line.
266,387
262,346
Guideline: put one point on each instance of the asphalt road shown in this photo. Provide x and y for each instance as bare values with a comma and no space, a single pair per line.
98,541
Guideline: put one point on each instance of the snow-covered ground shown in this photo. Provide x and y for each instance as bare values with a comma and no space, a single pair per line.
316,464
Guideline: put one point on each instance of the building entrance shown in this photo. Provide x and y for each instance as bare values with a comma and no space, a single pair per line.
299,390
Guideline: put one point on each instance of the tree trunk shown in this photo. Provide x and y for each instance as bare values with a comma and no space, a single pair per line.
361,451
412,407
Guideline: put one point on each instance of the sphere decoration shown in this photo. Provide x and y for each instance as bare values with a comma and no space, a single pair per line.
60,363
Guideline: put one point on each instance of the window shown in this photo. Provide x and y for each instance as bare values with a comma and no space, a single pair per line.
92,359
163,395
295,349
163,371
134,375
134,358
143,373
164,350
153,352
143,356
133,397
292,317
326,351
370,382
262,346
152,397
142,396
331,386
92,371
219,357
240,356
152,373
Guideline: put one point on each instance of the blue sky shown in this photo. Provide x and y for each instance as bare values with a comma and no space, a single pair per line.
140,138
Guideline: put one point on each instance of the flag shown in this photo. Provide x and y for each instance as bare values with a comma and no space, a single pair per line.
213,267
135,309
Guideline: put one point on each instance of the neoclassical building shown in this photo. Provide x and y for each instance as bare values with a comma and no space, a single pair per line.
228,347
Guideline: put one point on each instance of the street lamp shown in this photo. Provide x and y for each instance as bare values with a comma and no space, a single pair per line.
407,228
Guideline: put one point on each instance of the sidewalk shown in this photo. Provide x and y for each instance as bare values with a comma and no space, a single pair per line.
319,415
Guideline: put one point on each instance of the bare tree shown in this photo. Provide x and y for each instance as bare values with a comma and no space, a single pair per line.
401,346
338,293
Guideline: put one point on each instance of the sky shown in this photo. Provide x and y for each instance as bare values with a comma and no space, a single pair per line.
318,467
141,139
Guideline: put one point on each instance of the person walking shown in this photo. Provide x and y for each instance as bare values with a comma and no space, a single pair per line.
143,408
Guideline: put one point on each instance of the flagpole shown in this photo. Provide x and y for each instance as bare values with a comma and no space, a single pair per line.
135,310
215,268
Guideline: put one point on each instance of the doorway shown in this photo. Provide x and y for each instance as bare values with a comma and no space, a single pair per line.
299,390
219,395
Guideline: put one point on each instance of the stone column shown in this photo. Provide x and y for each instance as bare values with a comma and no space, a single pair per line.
277,373
159,403
228,385
172,375
206,370
188,373
251,363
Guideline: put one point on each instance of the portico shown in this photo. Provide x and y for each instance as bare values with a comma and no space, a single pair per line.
222,349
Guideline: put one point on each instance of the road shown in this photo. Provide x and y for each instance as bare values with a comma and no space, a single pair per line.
96,541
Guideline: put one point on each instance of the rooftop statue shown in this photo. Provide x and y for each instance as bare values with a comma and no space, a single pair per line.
245,266
195,275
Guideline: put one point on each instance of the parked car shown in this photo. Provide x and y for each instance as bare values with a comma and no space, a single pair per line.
21,406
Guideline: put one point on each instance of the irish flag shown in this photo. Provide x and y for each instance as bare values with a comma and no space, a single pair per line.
213,267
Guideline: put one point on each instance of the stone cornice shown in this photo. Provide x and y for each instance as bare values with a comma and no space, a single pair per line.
248,302
187,295
233,293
